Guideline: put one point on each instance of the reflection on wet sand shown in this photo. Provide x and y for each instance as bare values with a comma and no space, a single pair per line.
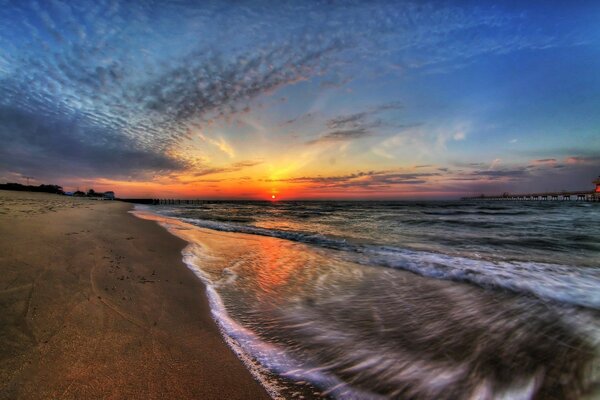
360,331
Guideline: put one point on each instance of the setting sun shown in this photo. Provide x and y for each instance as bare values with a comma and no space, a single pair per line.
273,196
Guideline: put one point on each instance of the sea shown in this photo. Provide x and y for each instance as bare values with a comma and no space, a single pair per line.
402,300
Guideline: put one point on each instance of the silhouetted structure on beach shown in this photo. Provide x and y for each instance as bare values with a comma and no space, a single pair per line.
91,193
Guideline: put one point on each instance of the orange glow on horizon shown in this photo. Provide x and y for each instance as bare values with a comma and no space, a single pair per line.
257,186
250,190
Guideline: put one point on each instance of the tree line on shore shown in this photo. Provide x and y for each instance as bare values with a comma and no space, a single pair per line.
56,189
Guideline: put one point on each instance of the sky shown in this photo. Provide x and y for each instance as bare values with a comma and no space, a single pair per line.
300,99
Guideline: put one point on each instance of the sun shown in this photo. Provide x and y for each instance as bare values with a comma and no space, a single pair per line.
273,196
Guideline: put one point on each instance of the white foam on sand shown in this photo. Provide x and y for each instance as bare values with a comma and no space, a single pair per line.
236,336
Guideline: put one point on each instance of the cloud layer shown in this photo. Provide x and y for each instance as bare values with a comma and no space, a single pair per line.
127,90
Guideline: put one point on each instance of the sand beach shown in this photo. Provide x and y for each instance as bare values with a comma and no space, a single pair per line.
95,303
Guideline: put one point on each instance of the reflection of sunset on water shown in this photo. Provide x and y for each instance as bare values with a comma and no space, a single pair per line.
274,265
269,264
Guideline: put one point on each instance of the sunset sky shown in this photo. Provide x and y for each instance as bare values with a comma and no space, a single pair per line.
304,100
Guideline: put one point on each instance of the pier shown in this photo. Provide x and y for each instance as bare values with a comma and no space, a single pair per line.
175,202
581,195
157,202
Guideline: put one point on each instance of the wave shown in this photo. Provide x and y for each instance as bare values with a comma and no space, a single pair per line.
571,285
564,284
242,341
304,237
261,357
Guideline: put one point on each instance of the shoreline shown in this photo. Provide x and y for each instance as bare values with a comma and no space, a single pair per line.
98,303
235,335
214,300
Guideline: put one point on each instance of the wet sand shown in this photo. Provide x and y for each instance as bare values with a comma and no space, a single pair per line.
95,303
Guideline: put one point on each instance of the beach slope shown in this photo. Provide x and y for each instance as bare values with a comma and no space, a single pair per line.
95,303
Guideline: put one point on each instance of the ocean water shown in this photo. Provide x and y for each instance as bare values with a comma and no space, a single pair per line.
408,300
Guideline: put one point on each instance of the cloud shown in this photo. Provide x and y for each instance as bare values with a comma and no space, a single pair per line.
562,152
247,164
460,135
362,119
220,143
238,166
540,175
512,173
113,68
493,165
117,87
47,147
356,125
210,171
198,86
371,180
544,161
335,82
582,160
348,121
341,136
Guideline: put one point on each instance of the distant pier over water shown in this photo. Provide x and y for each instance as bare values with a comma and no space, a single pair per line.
580,195
175,201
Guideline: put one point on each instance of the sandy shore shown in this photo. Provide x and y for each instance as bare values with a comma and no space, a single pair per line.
95,303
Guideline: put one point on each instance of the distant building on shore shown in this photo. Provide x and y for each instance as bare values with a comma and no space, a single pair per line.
110,195
597,182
